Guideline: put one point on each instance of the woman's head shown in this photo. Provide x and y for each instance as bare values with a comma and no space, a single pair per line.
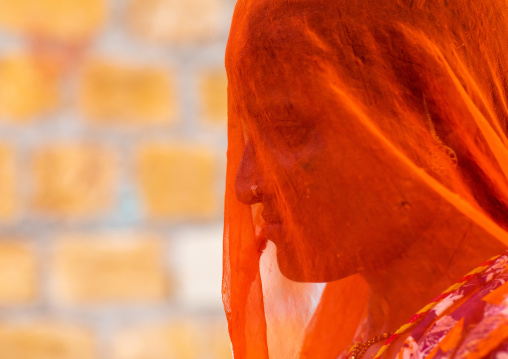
334,102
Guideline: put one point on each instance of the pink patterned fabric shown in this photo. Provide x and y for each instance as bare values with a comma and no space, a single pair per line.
471,322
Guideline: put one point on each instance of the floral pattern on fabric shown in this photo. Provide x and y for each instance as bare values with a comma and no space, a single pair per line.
471,322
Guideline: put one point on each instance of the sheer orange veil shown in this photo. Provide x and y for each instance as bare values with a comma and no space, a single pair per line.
425,82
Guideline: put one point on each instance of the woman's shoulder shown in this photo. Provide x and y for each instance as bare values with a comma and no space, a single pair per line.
471,322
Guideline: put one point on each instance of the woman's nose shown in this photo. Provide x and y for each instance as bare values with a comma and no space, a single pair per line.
248,183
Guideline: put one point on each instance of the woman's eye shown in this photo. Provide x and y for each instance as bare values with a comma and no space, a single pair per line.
293,134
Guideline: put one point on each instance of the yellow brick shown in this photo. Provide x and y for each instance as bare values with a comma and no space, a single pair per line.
62,20
174,21
44,341
109,268
125,94
220,346
176,181
214,96
73,179
26,89
18,268
8,186
177,340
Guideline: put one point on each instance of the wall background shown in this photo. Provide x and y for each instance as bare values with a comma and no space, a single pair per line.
112,165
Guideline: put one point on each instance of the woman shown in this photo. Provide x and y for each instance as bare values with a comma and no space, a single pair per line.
368,142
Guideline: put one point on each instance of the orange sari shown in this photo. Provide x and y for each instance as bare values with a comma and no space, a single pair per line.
415,91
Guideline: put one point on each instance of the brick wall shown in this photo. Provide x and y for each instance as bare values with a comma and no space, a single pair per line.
112,163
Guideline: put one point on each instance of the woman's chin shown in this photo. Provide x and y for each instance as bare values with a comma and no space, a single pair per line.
308,263
314,272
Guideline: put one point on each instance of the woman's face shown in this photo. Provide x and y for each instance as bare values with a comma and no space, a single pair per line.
334,199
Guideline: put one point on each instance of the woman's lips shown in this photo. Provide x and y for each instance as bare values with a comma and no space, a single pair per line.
273,224
270,216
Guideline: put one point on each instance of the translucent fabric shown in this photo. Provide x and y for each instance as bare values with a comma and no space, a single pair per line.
359,132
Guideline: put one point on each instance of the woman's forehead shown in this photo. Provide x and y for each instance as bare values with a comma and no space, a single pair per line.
272,27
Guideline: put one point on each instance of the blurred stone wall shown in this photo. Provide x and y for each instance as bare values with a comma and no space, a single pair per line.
112,163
